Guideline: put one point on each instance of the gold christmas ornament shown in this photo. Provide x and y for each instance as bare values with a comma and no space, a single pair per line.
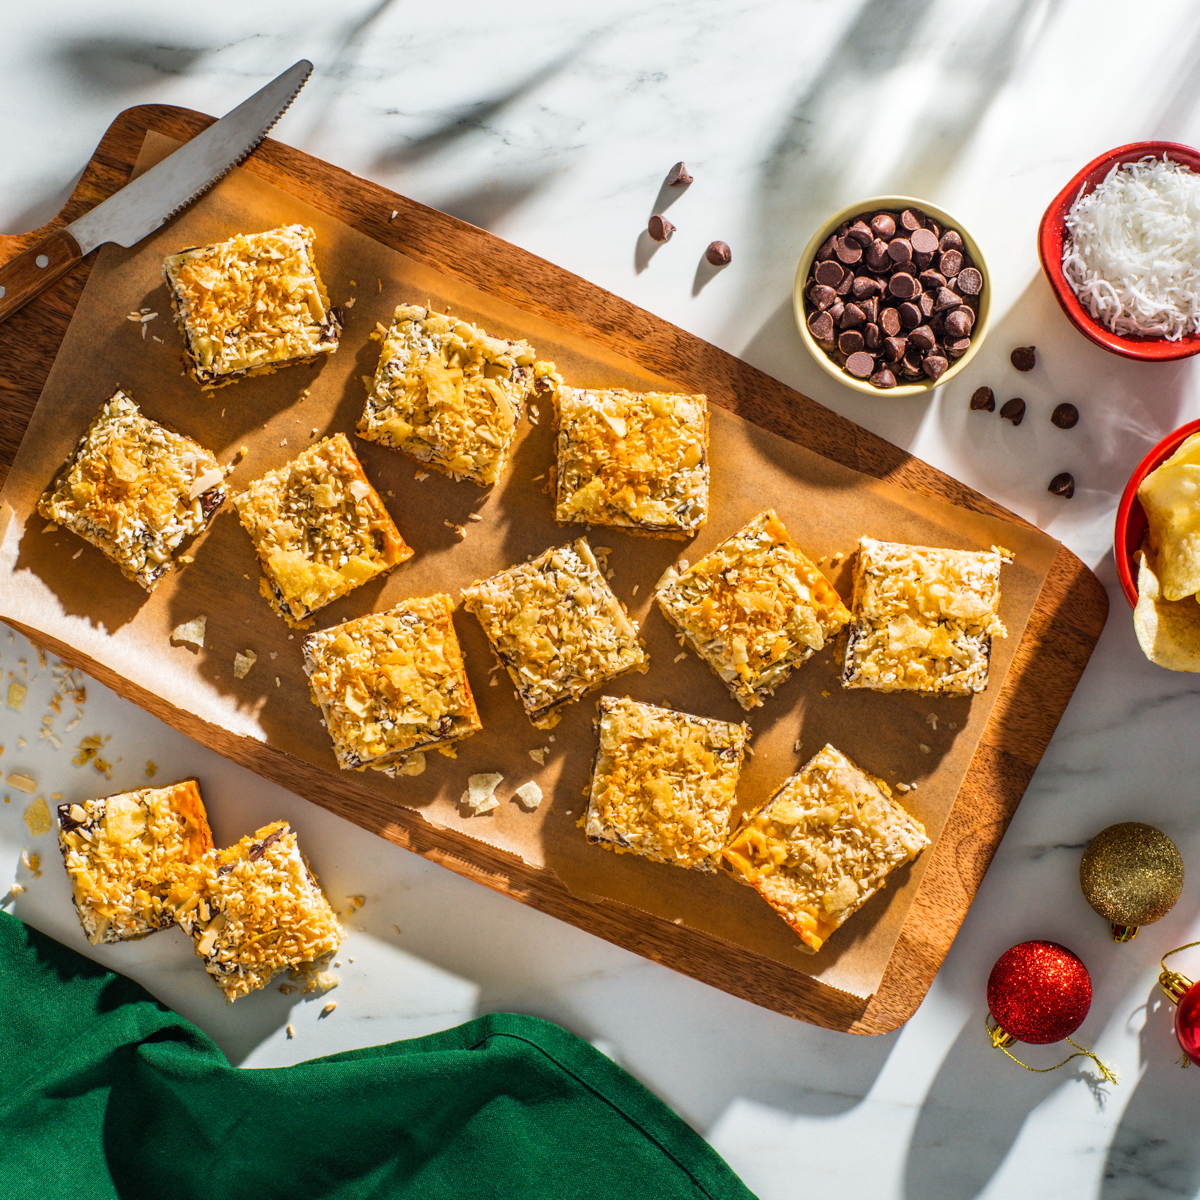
1131,874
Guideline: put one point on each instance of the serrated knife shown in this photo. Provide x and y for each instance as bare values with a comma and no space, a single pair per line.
150,200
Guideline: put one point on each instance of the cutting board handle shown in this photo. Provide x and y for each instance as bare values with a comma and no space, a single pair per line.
35,269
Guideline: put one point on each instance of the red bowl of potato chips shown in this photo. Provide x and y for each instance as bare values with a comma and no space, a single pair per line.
1131,523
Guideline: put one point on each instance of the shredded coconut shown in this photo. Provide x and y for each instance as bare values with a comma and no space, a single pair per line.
1133,250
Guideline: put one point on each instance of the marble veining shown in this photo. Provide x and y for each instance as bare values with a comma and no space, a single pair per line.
553,126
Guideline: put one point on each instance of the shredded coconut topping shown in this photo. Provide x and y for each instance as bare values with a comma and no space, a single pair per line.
135,490
557,627
450,395
1132,252
664,782
824,844
753,608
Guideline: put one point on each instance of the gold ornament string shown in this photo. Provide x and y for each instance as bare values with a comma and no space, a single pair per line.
1002,1040
1162,962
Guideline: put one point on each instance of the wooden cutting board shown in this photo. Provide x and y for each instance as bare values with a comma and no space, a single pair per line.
1050,658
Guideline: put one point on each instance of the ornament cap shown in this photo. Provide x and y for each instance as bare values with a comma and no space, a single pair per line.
1123,933
1175,985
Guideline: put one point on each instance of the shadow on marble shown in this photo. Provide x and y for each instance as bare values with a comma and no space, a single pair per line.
1154,1150
456,123
488,203
975,1110
119,65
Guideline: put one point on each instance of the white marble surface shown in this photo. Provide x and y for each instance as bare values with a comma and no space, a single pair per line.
553,125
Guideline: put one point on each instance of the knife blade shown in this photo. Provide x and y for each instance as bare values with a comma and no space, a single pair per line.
148,202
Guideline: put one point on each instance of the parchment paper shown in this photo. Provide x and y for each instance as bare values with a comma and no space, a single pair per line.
85,602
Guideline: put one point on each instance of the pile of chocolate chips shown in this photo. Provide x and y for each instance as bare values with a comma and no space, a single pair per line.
893,295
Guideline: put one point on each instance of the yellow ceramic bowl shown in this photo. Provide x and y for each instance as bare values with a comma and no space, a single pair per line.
891,204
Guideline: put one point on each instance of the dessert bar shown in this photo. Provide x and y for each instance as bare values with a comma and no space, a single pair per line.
449,395
254,910
664,782
319,529
924,618
824,844
753,608
392,685
124,852
637,461
557,628
135,490
250,305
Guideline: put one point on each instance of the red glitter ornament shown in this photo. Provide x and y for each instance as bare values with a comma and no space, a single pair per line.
1039,992
1187,1023
1186,996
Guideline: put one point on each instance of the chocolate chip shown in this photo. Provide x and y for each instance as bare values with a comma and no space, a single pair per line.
860,365
947,299
900,251
1063,484
935,366
967,313
951,240
848,250
860,231
830,273
925,303
1013,410
883,378
922,337
923,241
932,279
871,336
878,258
957,325
1023,358
719,254
678,176
903,286
843,288
970,282
864,286
828,247
1065,416
883,225
852,316
910,219
822,295
958,346
820,325
889,320
659,228
836,309
910,364
850,342
894,348
983,399
910,315
870,307
950,262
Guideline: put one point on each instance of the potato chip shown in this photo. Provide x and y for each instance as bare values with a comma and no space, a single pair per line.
1168,631
1170,496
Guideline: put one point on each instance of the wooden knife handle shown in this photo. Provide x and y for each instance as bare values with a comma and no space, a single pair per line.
35,269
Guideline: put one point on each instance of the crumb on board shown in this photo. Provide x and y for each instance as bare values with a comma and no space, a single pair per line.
191,631
291,1033
16,695
327,1009
538,754
242,662
421,476
286,988
480,794
680,656
32,863
529,794
151,769
37,817
23,783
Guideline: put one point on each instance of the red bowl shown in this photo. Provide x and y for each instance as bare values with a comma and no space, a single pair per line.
1131,517
1050,251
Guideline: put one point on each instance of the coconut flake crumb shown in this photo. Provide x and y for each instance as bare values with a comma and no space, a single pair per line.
421,476
191,631
16,695
931,721
242,662
480,794
37,817
291,1033
22,783
538,754
327,1009
530,795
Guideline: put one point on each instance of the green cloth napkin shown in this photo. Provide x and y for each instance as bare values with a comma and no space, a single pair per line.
104,1092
